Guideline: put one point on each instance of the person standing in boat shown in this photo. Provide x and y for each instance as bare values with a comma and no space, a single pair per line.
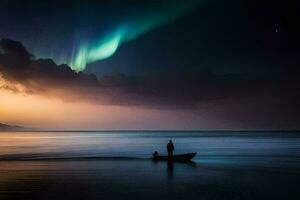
170,148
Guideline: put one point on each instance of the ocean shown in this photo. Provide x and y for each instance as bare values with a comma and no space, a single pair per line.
117,165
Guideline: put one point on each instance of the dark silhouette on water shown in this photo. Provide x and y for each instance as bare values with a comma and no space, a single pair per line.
172,158
170,148
175,158
155,154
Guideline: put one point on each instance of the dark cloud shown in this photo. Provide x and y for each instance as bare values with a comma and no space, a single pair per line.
44,77
251,101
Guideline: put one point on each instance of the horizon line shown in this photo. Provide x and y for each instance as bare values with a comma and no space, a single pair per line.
149,130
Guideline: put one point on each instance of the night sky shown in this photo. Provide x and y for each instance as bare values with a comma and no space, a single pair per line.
229,64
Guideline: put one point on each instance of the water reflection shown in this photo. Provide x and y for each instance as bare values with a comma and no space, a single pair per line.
132,179
170,170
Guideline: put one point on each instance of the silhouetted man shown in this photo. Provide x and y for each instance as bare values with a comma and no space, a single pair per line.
155,154
170,148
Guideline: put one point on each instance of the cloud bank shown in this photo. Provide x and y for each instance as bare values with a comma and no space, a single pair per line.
247,101
21,72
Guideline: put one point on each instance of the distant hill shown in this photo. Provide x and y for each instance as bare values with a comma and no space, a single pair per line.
5,127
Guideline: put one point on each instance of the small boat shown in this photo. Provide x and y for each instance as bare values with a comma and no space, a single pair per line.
175,158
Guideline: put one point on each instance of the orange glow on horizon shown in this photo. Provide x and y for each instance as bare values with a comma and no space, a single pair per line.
36,111
40,112
32,110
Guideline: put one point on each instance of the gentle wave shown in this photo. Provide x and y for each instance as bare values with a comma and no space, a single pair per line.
39,158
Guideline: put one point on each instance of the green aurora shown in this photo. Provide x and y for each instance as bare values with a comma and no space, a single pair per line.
87,51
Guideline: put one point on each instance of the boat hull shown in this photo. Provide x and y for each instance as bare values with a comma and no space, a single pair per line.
181,157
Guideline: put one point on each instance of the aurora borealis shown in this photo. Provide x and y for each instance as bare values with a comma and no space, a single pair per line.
199,64
89,33
88,51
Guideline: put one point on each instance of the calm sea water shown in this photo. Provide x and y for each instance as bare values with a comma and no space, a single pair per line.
229,165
